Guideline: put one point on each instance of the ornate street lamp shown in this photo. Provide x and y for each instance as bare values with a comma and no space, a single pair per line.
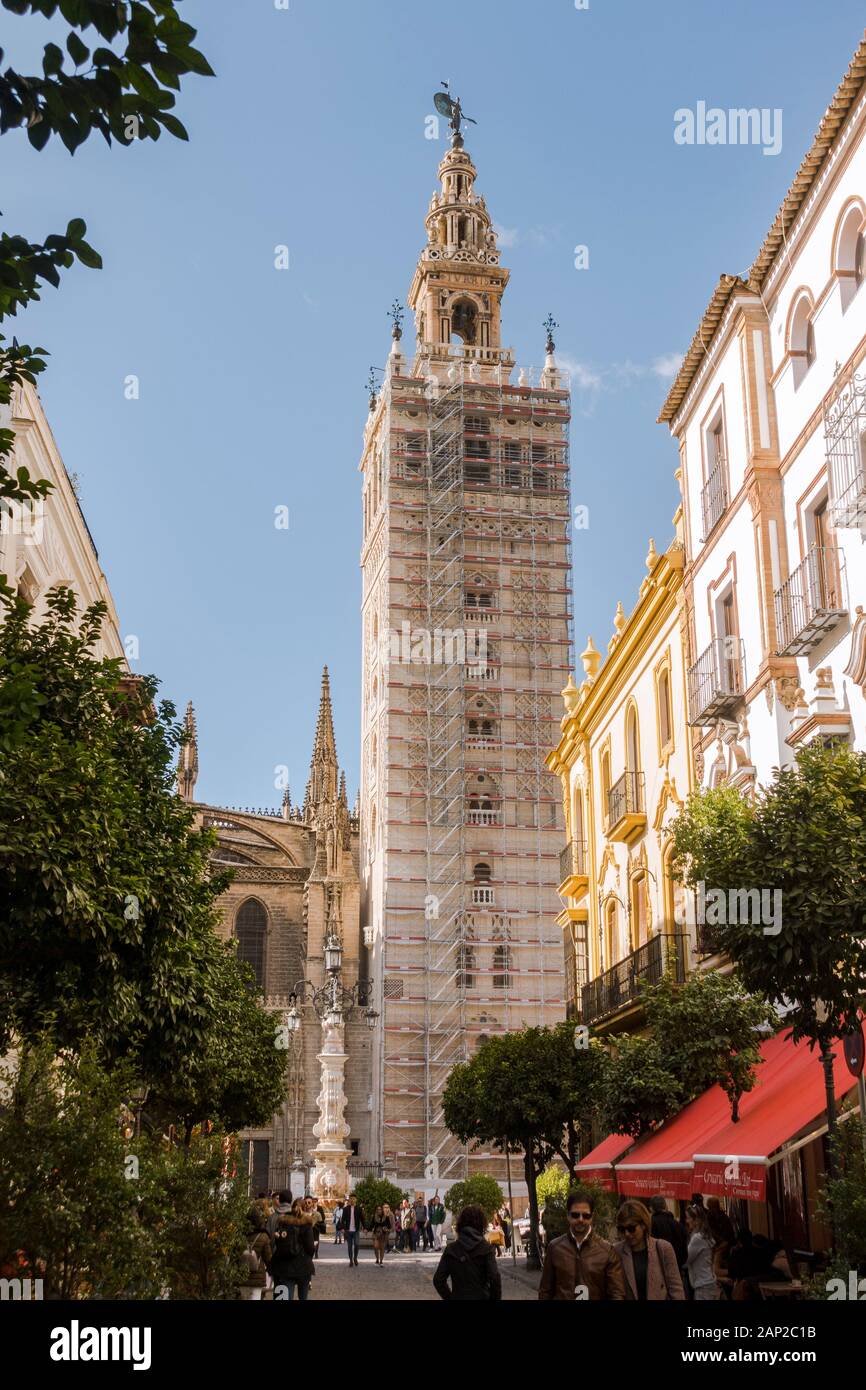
333,955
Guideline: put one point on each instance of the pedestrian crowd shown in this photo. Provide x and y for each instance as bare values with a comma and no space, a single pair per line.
655,1257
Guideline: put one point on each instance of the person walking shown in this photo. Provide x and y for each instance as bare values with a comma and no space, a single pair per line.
407,1222
580,1264
282,1207
699,1258
507,1226
420,1209
386,1210
292,1265
257,1257
496,1234
467,1270
381,1228
665,1226
437,1220
649,1265
338,1230
352,1222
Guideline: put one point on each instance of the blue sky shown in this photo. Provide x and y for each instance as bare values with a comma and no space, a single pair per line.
252,379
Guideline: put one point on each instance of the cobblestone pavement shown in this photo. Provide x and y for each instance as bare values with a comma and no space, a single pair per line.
402,1277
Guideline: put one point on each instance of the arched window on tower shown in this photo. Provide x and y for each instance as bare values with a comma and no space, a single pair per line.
464,322
251,927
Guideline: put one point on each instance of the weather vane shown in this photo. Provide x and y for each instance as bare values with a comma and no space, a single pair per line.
396,314
450,106
549,325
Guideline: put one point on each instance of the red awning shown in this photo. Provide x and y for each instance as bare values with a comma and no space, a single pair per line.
789,1098
701,1150
598,1166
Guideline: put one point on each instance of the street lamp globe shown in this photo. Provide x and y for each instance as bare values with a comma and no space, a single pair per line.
372,1017
293,1019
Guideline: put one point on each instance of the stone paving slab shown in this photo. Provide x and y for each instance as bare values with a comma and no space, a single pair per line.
401,1278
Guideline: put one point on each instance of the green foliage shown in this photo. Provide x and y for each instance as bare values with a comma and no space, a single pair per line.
199,1217
70,1212
805,834
842,1202
373,1192
125,93
707,1029
553,1182
237,1078
641,1090
481,1190
102,863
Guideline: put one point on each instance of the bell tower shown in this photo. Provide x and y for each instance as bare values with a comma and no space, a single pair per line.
456,291
466,646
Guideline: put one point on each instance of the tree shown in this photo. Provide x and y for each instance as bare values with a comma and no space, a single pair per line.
103,867
125,92
523,1092
69,1188
237,1078
374,1192
708,1029
804,836
641,1091
481,1190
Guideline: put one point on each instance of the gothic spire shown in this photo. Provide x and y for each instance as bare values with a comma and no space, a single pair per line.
187,758
323,764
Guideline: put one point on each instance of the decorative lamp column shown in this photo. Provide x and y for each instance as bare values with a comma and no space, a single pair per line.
330,1179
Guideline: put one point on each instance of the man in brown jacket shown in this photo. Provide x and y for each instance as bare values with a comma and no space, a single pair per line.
580,1265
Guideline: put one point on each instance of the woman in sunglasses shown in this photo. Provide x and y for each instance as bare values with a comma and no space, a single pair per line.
649,1265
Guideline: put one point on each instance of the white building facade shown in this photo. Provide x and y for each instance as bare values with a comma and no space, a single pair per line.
769,412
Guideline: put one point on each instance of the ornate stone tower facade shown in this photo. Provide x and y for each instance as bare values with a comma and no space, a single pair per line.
296,883
466,646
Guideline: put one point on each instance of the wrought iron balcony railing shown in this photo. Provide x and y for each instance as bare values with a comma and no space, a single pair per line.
625,798
809,602
714,496
716,682
619,987
845,444
572,861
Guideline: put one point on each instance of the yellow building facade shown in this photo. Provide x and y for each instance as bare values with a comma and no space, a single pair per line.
624,765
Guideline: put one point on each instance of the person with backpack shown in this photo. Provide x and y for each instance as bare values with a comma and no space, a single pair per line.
292,1246
467,1270
256,1258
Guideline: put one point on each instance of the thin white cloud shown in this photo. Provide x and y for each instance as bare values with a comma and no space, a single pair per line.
506,236
667,365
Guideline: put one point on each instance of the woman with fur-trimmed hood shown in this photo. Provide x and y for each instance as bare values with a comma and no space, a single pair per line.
293,1242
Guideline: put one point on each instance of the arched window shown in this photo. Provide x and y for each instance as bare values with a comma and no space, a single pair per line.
639,914
663,694
611,935
632,741
464,322
482,873
801,336
501,966
465,976
848,250
251,926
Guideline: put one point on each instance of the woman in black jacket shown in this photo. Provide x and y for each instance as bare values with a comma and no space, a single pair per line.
467,1270
292,1245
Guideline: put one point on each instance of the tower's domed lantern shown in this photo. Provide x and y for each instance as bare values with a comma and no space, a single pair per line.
457,288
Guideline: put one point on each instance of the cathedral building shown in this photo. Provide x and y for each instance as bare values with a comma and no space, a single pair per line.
466,646
295,882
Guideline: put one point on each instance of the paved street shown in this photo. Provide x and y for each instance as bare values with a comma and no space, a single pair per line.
402,1277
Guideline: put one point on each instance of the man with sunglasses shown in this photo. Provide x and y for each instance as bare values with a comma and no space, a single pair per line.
581,1265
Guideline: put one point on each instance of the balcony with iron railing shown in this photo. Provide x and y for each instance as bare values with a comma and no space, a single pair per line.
716,682
618,990
845,445
809,603
714,496
573,879
626,812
